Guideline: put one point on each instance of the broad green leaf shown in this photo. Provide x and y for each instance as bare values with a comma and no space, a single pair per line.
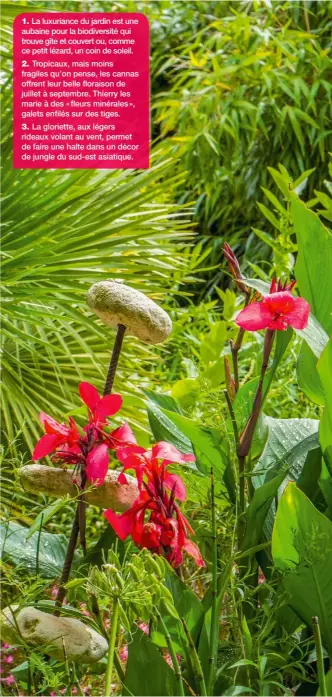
187,605
210,447
185,600
313,269
204,640
258,510
307,375
43,553
314,335
213,343
237,690
164,401
302,550
214,373
147,673
308,480
164,428
245,396
328,681
186,392
325,483
287,448
288,443
314,245
324,368
45,515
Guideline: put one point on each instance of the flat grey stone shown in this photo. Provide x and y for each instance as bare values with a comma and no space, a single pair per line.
55,481
59,637
115,303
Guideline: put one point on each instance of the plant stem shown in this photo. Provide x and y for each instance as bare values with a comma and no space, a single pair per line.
67,564
248,433
172,653
79,520
320,659
81,512
233,419
198,671
111,648
114,359
236,345
235,348
214,615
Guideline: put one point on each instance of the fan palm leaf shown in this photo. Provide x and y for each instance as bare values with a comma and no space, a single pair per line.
63,230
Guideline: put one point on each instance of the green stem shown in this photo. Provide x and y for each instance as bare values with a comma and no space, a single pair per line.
67,564
248,433
176,667
38,545
111,648
242,488
320,659
76,681
194,658
235,348
214,614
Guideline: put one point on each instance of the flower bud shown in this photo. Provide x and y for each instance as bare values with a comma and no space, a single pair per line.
154,567
234,268
116,303
230,384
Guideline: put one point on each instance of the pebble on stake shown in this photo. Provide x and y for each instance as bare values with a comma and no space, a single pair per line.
117,304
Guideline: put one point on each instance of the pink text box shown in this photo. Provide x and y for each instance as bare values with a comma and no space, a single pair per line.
81,90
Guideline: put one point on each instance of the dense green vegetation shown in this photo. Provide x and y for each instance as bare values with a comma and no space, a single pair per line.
241,125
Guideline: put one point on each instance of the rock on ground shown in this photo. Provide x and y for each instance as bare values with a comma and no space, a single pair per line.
60,637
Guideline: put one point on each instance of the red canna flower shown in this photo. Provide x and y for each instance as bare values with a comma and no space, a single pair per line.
99,407
278,310
87,450
154,459
56,435
155,521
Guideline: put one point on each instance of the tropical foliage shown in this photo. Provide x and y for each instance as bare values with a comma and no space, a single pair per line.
212,456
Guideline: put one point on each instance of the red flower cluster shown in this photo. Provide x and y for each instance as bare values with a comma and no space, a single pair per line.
86,449
278,310
155,520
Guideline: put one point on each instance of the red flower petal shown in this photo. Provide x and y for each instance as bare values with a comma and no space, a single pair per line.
128,455
282,302
97,464
180,489
123,434
188,458
299,317
122,478
121,524
89,395
167,451
46,445
51,425
107,406
254,317
194,552
73,432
